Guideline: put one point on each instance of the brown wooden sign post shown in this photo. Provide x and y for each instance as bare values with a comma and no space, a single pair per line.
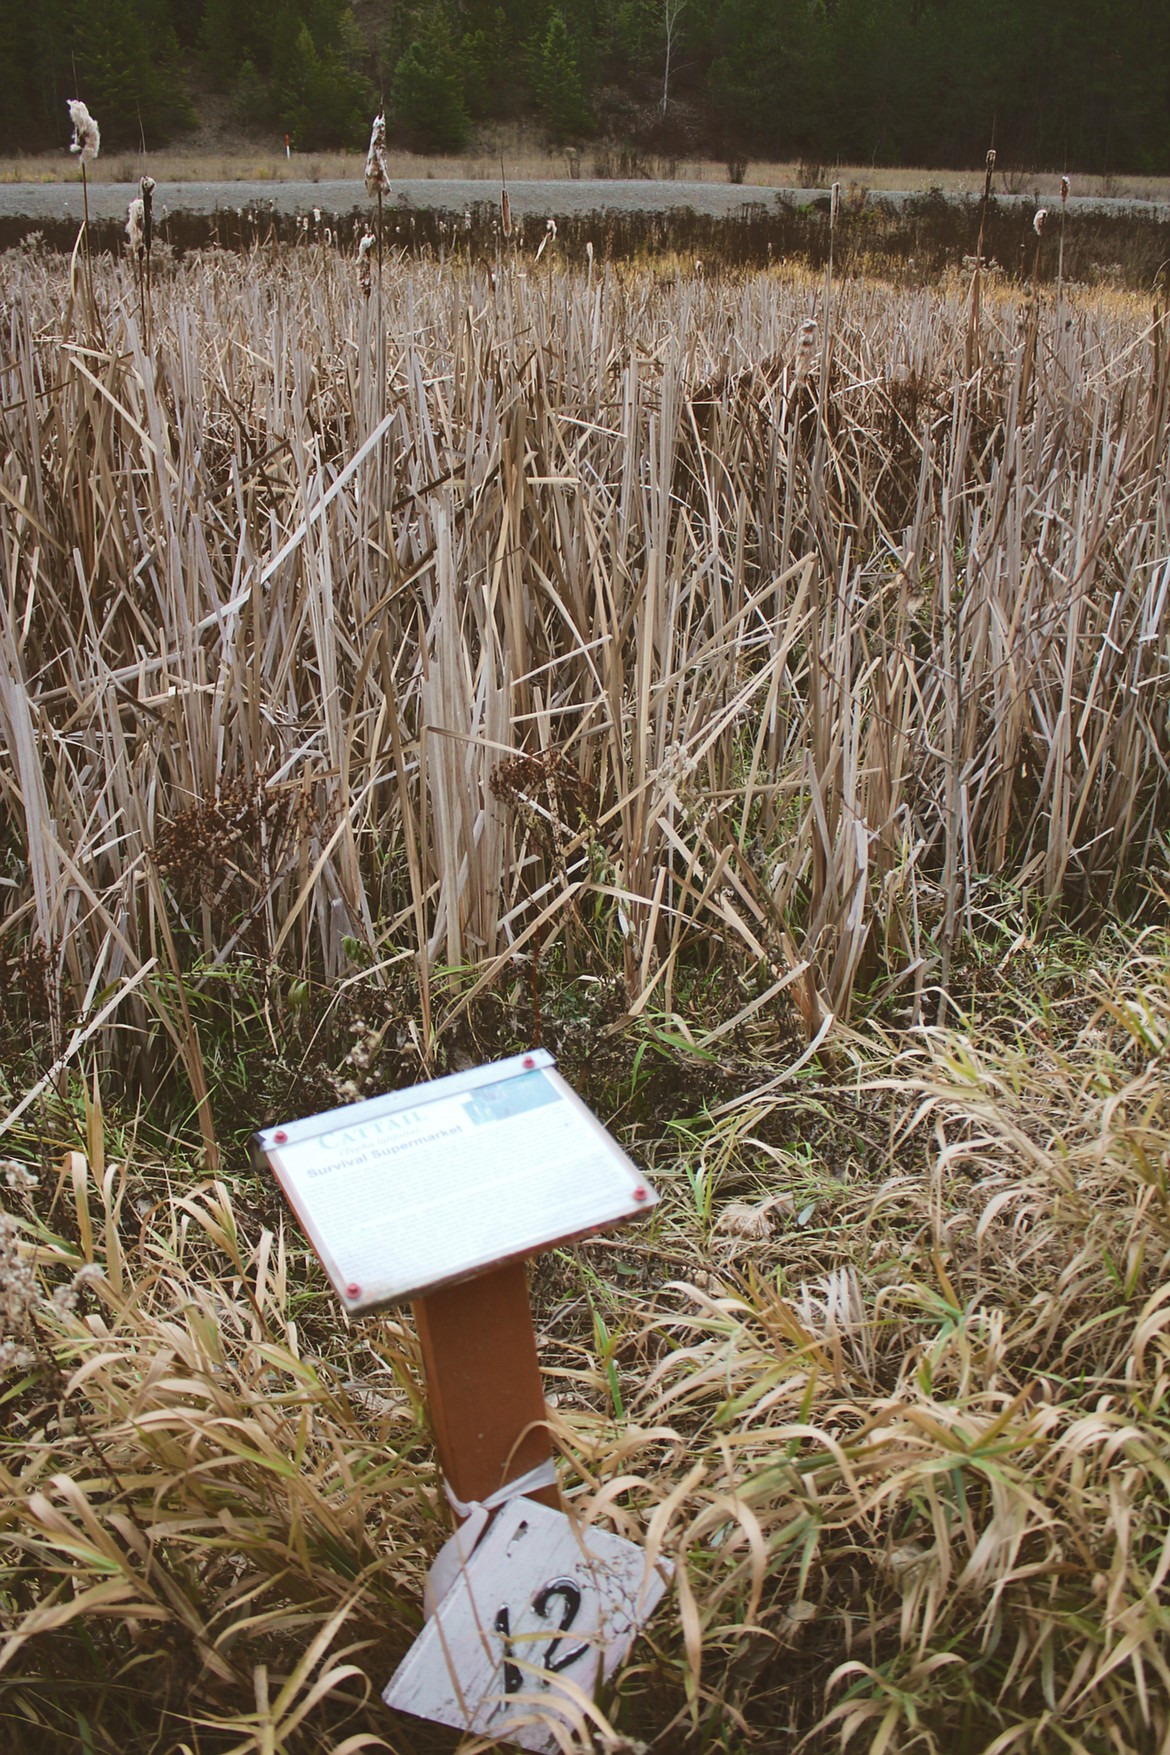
436,1196
484,1391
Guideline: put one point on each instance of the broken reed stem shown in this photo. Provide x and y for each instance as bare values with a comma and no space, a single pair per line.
972,352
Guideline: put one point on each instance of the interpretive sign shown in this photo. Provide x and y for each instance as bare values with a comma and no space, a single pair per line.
436,1195
538,1613
405,1193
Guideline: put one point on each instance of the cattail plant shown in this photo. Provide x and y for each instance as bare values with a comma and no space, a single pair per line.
86,143
135,229
505,204
1064,189
1039,221
363,258
806,348
136,243
550,233
378,174
976,279
1027,370
146,190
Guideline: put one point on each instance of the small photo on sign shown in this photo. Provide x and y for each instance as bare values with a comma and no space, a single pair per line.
509,1097
540,1612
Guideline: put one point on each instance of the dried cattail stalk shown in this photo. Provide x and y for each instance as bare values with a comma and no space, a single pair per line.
834,204
364,264
1064,188
87,139
377,167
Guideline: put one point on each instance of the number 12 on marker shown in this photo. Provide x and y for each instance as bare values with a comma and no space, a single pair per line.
554,1660
537,1596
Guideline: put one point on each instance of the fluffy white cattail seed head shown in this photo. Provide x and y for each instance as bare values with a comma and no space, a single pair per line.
87,139
136,227
1064,189
1039,221
550,232
991,158
834,203
364,265
589,251
377,168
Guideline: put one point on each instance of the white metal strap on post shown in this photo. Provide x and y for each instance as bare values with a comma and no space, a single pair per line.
475,1515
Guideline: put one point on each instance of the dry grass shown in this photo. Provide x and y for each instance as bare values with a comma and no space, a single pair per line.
906,1432
526,161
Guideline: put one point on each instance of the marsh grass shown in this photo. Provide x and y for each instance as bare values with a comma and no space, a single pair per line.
896,1406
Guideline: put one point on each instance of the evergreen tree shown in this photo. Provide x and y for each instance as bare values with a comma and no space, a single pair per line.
558,85
315,97
428,102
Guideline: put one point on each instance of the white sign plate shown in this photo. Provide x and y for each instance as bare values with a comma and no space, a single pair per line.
404,1193
539,1612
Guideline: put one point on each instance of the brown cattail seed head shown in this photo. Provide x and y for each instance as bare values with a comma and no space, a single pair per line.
146,189
505,214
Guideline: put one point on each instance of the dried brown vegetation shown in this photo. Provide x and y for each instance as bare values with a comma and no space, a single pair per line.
829,652
901,1417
